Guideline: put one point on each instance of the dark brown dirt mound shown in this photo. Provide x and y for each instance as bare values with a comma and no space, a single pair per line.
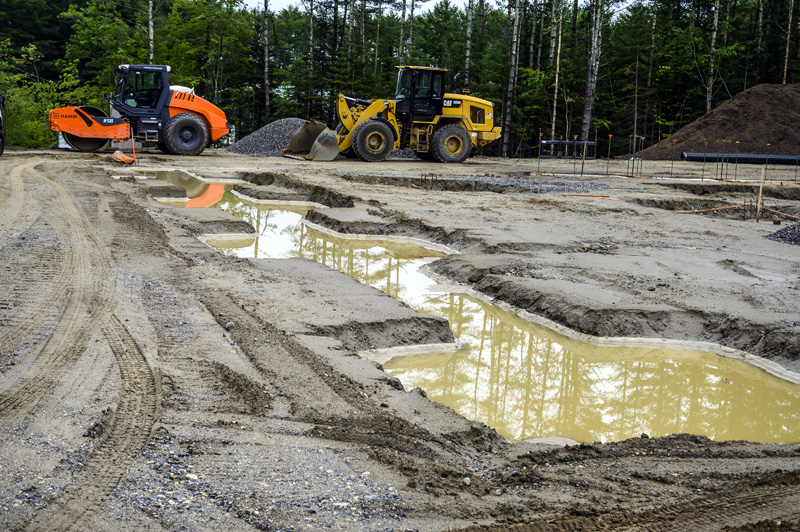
761,115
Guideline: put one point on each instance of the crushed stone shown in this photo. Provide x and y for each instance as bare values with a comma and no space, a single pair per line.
270,140
788,235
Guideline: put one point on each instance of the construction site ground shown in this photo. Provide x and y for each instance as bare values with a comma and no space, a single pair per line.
149,382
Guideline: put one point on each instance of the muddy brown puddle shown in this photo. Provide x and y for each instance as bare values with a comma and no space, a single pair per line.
520,378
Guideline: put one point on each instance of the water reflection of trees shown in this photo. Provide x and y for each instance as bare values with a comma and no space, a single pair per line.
526,383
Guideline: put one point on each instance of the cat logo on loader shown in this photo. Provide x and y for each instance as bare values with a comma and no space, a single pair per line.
174,118
436,125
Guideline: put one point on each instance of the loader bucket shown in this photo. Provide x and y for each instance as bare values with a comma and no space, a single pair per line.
313,141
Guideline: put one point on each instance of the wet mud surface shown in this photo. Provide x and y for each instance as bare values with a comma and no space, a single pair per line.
148,382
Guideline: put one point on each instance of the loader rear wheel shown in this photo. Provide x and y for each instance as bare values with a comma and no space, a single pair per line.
186,134
163,147
373,141
2,141
451,144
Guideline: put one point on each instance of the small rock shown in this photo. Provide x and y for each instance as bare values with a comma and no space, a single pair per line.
229,325
191,476
466,481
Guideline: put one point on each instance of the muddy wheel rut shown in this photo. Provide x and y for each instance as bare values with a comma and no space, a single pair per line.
80,288
778,501
130,429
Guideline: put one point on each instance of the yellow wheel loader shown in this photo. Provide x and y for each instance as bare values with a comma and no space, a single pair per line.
422,117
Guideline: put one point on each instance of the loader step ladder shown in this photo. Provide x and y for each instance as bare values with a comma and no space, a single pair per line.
420,139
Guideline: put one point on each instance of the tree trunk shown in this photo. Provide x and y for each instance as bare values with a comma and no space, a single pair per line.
266,62
378,37
363,39
636,97
558,69
596,29
411,29
554,30
511,78
310,56
350,23
470,7
533,34
482,11
574,28
788,40
402,32
335,29
650,68
541,41
150,31
713,51
760,30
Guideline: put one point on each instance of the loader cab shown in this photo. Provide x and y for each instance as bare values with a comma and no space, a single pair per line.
419,94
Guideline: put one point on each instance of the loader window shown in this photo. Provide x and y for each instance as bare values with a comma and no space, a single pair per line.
142,89
403,85
428,95
477,115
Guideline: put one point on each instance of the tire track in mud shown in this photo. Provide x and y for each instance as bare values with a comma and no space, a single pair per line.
130,430
13,199
80,288
777,501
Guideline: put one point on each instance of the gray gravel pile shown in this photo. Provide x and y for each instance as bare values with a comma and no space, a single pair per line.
788,235
403,154
270,140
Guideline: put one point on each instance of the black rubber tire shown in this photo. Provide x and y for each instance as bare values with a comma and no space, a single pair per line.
163,147
451,144
2,141
373,141
354,141
185,134
425,155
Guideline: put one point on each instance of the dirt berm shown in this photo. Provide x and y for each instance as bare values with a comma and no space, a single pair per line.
760,120
149,382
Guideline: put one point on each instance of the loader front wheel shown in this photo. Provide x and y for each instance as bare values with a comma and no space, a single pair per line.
451,144
163,147
186,134
373,141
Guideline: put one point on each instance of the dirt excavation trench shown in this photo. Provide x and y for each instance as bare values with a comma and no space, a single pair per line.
151,381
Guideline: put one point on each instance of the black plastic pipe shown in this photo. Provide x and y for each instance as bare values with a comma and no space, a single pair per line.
741,158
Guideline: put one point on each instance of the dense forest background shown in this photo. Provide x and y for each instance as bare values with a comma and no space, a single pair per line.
553,68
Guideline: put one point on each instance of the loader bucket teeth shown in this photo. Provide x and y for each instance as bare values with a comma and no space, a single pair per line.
313,141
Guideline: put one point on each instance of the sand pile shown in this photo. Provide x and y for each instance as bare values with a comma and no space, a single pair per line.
761,115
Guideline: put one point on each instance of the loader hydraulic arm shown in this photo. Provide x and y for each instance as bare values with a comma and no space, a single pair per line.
361,111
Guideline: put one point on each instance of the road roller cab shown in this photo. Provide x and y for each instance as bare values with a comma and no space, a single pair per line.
173,117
